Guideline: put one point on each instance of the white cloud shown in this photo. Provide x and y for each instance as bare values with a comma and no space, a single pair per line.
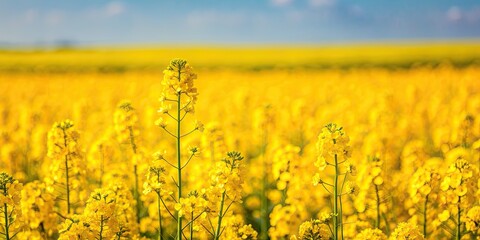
454,14
281,3
114,9
321,3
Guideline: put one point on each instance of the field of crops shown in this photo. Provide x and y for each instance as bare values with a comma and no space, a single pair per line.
275,147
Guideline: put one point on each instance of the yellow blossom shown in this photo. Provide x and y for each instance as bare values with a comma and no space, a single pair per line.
406,230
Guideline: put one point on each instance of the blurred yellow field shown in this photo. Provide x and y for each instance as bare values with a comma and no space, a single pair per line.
122,59
288,152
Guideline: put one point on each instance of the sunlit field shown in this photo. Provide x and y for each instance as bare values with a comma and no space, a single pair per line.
310,143
241,58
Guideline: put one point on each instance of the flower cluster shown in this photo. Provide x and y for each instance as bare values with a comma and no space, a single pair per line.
371,193
101,218
63,141
472,220
224,191
424,183
237,230
423,191
332,146
67,170
101,156
38,211
213,141
191,206
155,178
313,229
285,160
458,183
10,210
406,231
177,81
225,177
76,227
371,234
125,121
284,220
124,210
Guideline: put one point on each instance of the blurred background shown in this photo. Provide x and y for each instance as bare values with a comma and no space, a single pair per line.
345,31
93,22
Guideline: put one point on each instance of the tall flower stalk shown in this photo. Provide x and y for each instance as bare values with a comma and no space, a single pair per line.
103,216
264,121
333,150
459,187
228,172
67,169
179,94
9,205
126,127
156,182
424,186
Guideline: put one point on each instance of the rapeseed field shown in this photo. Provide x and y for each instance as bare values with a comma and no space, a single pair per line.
304,143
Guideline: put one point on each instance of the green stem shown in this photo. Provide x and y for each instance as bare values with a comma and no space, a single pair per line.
377,222
335,201
132,140
160,236
101,228
135,173
136,194
179,162
340,220
264,200
67,184
341,204
387,227
459,224
7,224
264,211
220,216
191,227
425,217
66,171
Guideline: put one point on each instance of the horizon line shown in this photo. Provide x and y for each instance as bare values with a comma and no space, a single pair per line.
63,44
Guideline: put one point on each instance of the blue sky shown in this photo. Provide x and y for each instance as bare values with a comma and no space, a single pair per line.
119,22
